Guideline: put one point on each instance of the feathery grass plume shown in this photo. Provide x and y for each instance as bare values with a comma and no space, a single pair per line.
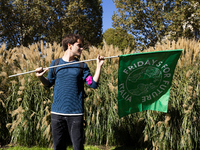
2,103
184,106
19,99
1,92
13,82
21,88
187,131
19,115
194,118
4,74
58,50
8,125
167,118
191,106
189,72
115,107
2,48
47,109
190,90
110,85
187,111
17,111
20,92
22,81
1,60
159,123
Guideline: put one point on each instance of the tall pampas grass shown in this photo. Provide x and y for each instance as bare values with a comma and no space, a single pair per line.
27,103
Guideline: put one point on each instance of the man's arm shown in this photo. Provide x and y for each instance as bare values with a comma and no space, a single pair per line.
100,61
39,73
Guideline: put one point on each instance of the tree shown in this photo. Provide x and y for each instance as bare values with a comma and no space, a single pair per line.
119,37
23,22
151,20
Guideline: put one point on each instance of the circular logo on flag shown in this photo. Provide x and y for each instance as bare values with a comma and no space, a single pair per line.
143,80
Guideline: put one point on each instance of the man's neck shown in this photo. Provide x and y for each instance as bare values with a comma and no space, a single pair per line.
67,56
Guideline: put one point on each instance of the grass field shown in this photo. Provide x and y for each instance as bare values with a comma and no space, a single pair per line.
69,148
38,148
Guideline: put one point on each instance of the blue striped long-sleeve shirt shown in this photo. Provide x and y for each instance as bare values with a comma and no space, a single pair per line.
69,88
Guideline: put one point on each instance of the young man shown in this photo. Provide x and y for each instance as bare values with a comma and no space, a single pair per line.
68,105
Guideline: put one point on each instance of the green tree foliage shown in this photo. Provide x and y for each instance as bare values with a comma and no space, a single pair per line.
149,21
120,38
23,22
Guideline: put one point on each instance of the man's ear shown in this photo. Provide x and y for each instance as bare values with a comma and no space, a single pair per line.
69,45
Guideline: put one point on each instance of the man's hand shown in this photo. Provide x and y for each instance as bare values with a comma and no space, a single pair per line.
40,71
100,60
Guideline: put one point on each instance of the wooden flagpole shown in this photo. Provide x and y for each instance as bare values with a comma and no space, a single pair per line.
60,66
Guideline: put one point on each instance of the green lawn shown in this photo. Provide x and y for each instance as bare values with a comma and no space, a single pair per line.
37,148
69,148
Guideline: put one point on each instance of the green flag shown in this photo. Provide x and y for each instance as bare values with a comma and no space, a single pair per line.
144,81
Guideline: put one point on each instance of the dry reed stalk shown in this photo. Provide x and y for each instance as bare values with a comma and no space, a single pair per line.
155,145
38,124
25,124
2,103
47,109
47,132
152,119
162,135
44,122
146,138
32,114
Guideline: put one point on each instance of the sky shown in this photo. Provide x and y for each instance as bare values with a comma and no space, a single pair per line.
108,8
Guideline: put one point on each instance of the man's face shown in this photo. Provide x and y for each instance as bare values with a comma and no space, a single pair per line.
77,48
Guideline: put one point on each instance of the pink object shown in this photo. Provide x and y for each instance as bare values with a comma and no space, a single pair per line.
89,80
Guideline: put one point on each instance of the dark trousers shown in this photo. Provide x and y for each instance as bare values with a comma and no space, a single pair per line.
64,127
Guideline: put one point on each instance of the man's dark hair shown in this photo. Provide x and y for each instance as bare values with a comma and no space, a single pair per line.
71,39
